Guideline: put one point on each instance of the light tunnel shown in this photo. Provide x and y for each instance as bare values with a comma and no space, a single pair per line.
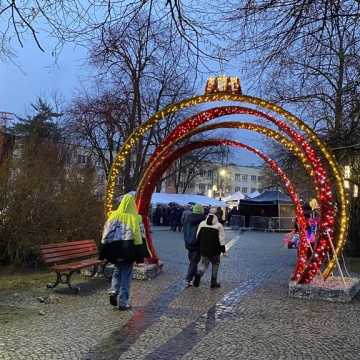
156,173
322,183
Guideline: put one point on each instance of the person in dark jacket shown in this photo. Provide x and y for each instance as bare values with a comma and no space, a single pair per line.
211,238
122,244
172,216
191,223
178,217
219,213
157,215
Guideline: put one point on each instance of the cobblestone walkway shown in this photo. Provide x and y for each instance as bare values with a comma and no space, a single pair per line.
250,317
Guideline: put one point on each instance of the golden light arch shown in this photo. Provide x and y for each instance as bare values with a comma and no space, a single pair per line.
218,97
167,159
161,158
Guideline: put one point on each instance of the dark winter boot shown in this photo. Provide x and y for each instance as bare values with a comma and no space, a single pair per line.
214,283
197,279
113,299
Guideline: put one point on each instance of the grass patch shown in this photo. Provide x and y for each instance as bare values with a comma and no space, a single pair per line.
15,278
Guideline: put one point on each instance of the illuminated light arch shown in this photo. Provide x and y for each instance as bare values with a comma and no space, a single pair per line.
140,131
293,147
188,126
166,160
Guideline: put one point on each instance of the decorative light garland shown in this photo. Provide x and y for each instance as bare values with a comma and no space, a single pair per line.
140,131
167,159
324,195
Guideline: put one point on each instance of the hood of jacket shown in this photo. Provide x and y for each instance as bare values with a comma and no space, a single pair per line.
214,221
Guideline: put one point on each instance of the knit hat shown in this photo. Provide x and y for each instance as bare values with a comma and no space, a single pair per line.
197,209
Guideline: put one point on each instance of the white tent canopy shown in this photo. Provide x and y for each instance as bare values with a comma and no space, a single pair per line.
235,197
253,194
184,199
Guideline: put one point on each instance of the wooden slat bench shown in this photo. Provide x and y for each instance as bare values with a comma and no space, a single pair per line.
69,258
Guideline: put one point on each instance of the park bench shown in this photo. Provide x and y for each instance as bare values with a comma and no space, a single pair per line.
69,258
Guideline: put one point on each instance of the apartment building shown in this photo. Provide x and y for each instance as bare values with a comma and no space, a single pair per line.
218,181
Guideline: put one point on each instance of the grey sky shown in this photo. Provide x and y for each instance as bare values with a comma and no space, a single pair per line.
40,74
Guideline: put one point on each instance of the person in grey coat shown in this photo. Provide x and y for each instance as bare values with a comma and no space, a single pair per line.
191,223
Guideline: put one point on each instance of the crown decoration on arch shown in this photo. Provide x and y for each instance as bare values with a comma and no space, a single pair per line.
298,138
221,84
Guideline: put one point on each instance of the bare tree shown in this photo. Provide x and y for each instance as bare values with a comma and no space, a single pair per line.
81,21
140,71
307,55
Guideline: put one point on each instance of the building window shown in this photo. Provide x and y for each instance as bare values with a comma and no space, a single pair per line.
81,159
202,173
237,177
202,187
253,177
244,177
237,188
260,178
209,186
244,190
210,173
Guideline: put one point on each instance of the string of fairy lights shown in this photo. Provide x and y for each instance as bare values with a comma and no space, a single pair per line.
319,171
144,182
166,159
324,195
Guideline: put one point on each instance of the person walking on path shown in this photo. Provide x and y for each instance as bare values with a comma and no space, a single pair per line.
186,213
191,223
211,238
122,243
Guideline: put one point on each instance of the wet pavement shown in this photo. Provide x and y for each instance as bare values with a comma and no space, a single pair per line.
249,317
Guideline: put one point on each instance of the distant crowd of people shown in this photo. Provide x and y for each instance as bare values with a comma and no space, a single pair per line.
173,215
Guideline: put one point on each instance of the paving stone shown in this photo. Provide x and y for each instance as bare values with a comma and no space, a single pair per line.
249,317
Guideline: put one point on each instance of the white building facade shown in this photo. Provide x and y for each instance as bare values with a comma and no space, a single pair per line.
219,181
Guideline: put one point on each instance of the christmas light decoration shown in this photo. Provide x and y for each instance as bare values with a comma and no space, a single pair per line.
167,159
324,195
334,167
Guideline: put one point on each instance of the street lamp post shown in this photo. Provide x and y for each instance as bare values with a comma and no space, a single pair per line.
222,174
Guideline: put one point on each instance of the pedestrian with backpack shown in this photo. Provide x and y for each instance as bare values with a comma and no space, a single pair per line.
211,239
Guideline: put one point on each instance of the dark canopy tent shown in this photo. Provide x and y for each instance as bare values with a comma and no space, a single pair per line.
270,203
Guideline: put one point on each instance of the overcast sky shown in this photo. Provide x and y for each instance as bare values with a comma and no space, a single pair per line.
36,74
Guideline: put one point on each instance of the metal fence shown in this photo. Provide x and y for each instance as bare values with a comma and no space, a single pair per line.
271,223
237,222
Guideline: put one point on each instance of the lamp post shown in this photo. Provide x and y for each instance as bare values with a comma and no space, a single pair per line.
222,173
